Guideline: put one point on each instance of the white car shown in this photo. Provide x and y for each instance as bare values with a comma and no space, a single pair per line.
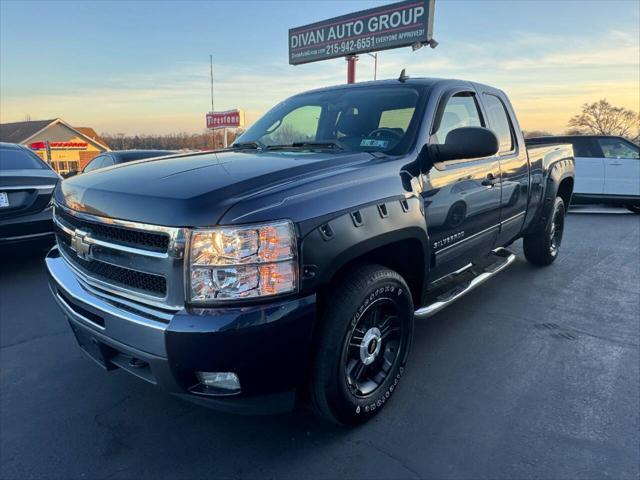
607,169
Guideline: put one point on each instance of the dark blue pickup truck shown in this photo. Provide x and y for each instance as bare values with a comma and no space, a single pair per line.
294,263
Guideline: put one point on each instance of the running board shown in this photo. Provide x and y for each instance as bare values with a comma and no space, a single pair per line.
504,259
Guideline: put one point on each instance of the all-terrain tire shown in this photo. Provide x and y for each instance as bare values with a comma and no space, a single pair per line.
370,299
542,246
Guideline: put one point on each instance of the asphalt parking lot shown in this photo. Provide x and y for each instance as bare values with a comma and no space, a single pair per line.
533,375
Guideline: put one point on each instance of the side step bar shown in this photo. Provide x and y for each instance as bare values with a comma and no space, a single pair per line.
504,257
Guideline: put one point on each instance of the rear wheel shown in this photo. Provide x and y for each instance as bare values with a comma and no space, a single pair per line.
362,345
542,246
634,208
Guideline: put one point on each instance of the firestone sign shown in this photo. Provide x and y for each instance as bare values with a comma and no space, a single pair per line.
59,145
226,119
381,28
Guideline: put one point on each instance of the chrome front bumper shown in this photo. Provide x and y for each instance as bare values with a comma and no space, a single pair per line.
266,344
101,314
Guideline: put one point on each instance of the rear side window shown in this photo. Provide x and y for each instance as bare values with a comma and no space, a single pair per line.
461,111
585,147
108,161
19,159
95,164
499,122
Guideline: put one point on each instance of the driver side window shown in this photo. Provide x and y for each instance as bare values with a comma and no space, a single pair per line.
461,111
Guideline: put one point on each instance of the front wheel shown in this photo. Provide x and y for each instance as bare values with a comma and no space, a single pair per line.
362,345
634,208
542,246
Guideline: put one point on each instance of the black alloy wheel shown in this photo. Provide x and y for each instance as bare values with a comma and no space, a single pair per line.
556,231
372,348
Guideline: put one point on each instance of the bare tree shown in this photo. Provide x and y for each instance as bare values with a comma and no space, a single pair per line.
574,131
602,118
172,141
535,133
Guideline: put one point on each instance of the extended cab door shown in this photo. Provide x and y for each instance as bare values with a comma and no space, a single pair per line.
461,197
621,166
514,164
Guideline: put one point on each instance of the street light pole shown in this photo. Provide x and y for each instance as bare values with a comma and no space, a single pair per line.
375,64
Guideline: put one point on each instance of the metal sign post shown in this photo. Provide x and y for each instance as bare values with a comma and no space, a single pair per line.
351,68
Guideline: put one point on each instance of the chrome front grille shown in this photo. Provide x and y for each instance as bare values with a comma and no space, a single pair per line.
155,241
136,261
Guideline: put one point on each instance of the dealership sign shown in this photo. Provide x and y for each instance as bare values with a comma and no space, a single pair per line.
59,145
227,119
381,28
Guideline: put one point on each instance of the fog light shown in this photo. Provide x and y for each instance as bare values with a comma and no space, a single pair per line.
221,383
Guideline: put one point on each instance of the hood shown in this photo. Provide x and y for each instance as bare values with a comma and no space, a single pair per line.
192,190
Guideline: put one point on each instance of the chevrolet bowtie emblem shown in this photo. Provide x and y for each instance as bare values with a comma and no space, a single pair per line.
81,245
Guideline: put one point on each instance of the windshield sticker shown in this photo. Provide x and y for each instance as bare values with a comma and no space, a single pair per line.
369,142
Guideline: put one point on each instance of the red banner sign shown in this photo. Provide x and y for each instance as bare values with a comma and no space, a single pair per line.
230,118
59,145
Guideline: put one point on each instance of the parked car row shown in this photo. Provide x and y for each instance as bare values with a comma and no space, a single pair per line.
27,183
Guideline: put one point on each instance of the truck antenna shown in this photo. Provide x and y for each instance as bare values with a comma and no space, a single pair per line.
403,76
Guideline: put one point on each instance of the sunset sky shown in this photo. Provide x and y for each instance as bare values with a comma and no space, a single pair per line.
143,67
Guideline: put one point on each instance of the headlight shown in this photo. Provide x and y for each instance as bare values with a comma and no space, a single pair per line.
234,263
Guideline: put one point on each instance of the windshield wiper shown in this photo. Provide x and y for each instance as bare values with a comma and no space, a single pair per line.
253,145
311,145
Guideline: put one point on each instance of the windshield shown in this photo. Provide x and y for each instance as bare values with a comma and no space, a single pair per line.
19,159
360,119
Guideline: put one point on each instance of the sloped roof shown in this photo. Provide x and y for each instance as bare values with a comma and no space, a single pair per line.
91,133
19,131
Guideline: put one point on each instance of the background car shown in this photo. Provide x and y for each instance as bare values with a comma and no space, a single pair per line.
26,186
607,169
108,159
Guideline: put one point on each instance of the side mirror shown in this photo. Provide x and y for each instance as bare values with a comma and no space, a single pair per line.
465,142
71,173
